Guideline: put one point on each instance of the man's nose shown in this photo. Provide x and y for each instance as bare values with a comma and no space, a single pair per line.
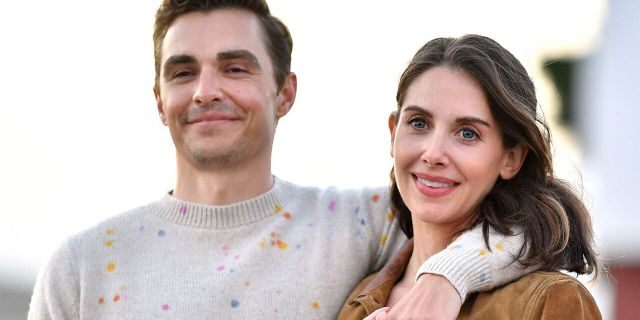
209,88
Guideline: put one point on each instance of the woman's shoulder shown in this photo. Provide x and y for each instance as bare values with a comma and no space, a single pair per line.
538,295
540,281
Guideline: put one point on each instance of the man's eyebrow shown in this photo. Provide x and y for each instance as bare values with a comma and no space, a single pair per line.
240,54
177,59
473,120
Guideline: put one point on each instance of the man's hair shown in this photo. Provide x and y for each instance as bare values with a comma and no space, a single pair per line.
277,37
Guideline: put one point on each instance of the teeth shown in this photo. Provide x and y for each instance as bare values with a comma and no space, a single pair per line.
434,184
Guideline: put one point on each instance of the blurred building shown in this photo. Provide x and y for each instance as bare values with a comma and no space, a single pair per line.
14,300
607,110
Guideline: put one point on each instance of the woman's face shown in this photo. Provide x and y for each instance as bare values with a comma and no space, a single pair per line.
447,148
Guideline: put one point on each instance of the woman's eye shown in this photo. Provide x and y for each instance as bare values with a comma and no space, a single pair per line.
468,134
418,123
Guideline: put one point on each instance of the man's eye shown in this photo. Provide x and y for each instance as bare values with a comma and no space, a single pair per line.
236,70
182,74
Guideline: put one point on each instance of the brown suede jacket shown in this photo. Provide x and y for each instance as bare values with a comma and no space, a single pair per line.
538,295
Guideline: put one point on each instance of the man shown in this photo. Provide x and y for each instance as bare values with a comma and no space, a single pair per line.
231,241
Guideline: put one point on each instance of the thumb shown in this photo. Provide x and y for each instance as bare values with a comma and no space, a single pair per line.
375,314
382,316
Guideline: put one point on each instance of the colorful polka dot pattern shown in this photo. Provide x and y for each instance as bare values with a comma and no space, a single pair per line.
277,242
226,259
114,298
383,240
111,267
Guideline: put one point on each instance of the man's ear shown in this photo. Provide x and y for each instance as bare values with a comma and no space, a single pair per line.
514,159
156,94
392,129
287,95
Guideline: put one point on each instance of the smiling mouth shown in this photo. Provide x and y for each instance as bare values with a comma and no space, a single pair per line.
436,184
206,121
211,119
435,189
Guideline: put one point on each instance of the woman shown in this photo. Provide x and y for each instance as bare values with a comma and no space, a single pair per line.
468,149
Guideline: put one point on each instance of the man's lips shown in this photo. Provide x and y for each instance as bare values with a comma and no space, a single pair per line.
211,117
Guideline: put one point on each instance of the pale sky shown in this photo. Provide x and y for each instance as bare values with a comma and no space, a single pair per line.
80,136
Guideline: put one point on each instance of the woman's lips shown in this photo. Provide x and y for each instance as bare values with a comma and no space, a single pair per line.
433,186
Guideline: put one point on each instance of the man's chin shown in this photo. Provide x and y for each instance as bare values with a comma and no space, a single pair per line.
213,158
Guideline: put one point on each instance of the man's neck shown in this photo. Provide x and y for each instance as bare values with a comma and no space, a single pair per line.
221,187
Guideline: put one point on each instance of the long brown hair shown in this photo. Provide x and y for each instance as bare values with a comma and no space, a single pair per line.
555,223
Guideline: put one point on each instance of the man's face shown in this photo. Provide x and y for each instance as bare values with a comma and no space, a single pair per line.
217,92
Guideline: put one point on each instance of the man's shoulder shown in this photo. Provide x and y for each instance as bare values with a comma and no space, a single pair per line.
335,191
332,196
109,227
85,245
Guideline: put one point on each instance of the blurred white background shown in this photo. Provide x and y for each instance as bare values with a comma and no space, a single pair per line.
81,140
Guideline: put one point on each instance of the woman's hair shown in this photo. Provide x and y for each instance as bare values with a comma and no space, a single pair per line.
555,223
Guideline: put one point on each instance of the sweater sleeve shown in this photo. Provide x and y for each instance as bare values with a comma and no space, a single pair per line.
55,295
385,236
470,266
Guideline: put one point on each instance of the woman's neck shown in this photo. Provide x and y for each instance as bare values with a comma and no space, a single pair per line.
428,239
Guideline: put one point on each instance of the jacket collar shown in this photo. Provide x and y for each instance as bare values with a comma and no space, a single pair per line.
374,295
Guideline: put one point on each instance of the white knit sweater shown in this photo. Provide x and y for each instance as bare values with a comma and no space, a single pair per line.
291,253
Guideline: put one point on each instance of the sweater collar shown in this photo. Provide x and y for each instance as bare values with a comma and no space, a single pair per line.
226,216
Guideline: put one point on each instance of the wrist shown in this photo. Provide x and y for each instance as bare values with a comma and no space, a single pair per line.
463,268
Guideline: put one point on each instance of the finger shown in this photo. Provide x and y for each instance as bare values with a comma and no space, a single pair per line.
374,315
382,316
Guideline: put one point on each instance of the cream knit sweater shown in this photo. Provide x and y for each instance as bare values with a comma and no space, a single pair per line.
291,253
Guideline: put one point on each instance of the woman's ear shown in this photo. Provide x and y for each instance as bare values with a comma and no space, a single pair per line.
514,159
392,129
